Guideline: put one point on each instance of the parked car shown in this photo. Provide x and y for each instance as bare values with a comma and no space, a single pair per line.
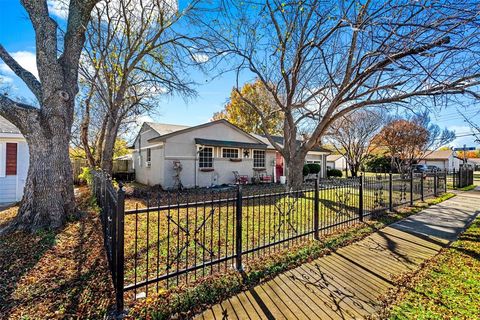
420,168
432,168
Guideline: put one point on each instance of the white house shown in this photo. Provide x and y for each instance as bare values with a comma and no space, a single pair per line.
205,155
336,161
443,159
14,159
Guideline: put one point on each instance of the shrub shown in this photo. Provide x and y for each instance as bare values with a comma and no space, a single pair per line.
314,168
334,173
306,170
381,163
86,175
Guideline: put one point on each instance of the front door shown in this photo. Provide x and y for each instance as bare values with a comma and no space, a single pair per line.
278,166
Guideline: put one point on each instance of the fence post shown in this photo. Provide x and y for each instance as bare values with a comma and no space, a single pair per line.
360,198
435,182
453,178
238,230
316,213
445,181
411,188
422,193
120,248
390,192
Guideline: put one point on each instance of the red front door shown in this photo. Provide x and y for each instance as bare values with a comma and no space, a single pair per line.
278,166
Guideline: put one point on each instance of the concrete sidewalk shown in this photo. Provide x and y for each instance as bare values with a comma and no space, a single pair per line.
348,283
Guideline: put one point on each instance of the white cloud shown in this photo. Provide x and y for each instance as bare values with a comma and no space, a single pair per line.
58,8
26,59
5,80
200,57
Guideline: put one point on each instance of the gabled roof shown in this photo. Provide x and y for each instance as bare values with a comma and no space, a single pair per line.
334,157
8,127
438,155
164,128
280,140
162,137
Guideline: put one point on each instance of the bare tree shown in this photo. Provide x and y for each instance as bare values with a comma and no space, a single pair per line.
323,59
352,135
132,56
410,140
48,196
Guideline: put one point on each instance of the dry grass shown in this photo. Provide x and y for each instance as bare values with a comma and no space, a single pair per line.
55,275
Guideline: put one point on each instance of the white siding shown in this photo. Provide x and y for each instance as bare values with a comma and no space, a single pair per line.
8,192
154,174
11,187
2,159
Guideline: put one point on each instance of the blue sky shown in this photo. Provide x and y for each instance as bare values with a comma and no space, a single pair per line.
16,35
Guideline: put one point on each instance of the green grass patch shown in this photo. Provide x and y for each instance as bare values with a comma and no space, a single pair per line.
447,288
184,301
468,188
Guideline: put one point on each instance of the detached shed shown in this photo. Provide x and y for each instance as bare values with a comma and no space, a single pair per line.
14,158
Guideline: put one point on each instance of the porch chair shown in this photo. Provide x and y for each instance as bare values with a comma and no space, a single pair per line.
240,179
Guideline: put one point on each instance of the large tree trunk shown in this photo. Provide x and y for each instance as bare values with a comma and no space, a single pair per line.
84,135
48,195
109,145
295,172
99,143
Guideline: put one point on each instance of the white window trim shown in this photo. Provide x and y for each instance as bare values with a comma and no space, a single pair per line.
3,159
264,158
213,156
238,155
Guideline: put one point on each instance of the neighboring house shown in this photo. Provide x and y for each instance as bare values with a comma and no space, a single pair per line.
203,155
473,162
336,161
14,160
444,159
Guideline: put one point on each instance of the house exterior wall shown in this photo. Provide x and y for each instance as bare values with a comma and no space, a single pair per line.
154,174
448,164
11,186
340,164
319,158
182,147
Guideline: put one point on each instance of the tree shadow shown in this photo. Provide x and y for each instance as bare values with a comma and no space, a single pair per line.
19,253
338,206
51,274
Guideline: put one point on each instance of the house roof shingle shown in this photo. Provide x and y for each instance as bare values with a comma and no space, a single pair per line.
7,127
279,140
438,155
334,157
165,128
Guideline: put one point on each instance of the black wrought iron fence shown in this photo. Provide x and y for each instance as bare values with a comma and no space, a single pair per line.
460,178
178,238
112,204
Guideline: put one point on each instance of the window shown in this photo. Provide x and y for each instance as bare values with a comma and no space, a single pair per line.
205,157
230,153
149,154
258,158
11,156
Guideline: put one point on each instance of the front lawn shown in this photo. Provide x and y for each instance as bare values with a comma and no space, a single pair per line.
185,300
447,288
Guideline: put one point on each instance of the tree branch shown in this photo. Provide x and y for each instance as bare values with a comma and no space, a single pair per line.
30,80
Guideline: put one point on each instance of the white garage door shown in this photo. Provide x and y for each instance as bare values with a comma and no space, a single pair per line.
439,164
